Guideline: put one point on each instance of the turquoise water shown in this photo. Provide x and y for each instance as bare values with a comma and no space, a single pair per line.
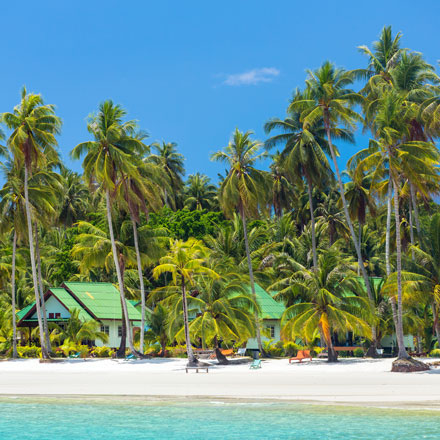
209,420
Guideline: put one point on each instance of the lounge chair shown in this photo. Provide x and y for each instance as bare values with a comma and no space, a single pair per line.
241,352
302,354
75,355
129,357
256,363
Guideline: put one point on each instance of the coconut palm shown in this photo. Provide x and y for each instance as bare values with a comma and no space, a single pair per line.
282,189
184,260
244,190
171,163
331,304
304,152
107,159
158,327
199,193
34,126
224,311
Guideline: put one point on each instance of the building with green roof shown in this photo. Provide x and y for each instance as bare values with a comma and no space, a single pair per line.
271,312
98,301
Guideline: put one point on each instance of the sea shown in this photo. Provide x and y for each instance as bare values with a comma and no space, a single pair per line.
112,418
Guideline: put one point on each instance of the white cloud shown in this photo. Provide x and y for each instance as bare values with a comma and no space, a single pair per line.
252,77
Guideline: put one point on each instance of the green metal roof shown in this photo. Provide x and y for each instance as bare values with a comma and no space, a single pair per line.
270,309
70,302
24,310
102,299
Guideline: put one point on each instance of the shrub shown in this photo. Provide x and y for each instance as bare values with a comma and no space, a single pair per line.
103,352
291,349
29,352
435,353
358,352
178,351
273,349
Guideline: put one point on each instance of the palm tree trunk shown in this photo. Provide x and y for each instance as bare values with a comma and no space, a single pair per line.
312,220
251,279
14,319
120,353
416,210
400,336
221,358
118,273
141,283
40,286
353,234
434,307
360,247
388,230
44,353
191,358
411,231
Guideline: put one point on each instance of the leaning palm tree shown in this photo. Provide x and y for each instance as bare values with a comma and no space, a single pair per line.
142,193
329,99
244,190
107,158
184,260
34,126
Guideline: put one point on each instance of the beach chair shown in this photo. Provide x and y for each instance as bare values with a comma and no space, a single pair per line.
75,355
256,363
302,354
129,357
241,352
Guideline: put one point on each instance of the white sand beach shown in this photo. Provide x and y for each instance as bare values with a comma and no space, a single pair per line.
350,381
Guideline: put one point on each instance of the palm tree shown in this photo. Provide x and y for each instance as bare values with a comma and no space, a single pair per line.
171,163
199,192
224,311
304,152
34,126
78,330
330,305
244,190
107,158
144,194
282,189
158,327
184,260
329,99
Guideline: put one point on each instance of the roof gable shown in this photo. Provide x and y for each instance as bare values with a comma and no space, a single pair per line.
102,300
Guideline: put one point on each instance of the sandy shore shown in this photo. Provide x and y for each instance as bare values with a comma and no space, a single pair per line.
351,381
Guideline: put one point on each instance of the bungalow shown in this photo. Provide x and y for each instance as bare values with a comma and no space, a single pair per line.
97,301
271,312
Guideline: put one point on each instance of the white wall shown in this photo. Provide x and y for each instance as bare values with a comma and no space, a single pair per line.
54,306
114,340
252,342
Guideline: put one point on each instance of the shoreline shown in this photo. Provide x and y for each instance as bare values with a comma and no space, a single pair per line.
350,382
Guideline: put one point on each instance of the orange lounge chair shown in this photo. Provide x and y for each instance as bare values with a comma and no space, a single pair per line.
302,354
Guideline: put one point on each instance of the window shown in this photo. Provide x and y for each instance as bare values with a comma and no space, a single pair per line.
57,315
51,316
271,331
119,331
105,329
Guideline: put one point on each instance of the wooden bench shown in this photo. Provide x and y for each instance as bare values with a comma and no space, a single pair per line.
197,369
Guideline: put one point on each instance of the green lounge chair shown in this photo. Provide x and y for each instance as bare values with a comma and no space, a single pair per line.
75,355
255,364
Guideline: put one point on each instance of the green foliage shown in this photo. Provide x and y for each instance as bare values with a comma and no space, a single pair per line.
102,352
183,224
359,352
435,353
29,352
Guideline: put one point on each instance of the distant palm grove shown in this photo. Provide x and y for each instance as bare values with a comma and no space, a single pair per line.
191,251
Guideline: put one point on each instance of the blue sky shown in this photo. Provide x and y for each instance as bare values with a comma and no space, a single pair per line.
190,72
